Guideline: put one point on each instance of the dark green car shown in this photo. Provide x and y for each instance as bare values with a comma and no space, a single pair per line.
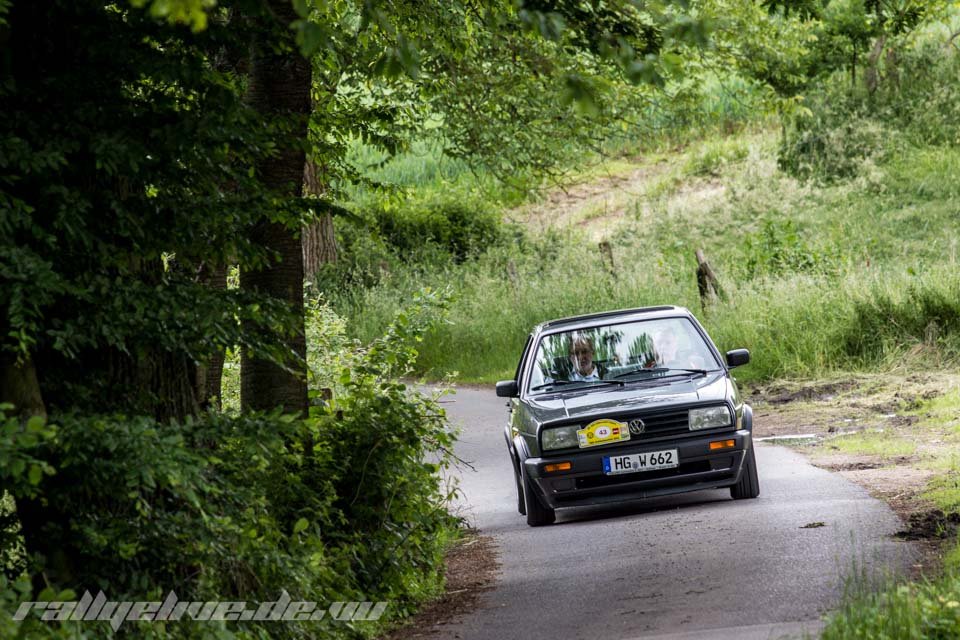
622,406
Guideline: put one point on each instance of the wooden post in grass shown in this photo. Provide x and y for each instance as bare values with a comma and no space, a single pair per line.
707,281
606,255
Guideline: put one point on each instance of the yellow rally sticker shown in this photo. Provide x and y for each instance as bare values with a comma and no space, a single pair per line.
603,431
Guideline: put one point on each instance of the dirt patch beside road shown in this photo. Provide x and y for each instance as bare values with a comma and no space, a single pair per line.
472,565
894,435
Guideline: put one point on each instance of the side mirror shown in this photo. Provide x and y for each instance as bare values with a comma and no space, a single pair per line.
507,389
737,357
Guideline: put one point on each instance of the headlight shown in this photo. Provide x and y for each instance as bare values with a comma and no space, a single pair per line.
560,438
709,418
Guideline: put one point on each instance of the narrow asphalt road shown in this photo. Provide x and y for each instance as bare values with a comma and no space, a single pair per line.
693,566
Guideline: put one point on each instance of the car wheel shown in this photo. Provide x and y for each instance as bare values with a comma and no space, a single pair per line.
537,514
749,484
521,503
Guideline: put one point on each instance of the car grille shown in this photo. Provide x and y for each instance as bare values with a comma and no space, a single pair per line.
662,424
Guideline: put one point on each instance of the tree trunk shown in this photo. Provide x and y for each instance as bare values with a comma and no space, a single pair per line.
872,73
19,387
319,245
210,375
279,89
319,241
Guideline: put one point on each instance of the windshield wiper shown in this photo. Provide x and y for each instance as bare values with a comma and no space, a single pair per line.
555,383
582,383
657,372
702,372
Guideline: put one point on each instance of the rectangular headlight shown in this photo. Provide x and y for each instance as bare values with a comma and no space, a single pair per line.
709,418
560,438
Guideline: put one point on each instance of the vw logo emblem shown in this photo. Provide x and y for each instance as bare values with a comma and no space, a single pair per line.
637,427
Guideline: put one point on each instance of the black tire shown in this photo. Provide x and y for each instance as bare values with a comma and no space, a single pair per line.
521,503
537,514
748,486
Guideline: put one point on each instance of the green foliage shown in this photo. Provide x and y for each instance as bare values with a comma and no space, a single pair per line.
458,227
151,159
780,247
918,314
923,610
836,142
714,156
190,12
347,504
912,99
20,468
808,263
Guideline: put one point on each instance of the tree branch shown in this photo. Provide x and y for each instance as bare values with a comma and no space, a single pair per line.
950,40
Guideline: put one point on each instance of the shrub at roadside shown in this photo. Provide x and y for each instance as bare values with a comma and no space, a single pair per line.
346,505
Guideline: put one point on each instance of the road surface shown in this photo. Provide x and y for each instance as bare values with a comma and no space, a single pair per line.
688,567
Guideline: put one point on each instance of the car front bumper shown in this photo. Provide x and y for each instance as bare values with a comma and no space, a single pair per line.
586,484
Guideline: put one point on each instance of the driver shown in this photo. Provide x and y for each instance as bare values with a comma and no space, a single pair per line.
581,356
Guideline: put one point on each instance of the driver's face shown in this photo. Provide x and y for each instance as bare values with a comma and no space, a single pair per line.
582,355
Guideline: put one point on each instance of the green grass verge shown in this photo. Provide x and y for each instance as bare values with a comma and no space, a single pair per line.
923,610
882,444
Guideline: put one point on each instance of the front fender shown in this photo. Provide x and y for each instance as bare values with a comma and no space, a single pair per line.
516,446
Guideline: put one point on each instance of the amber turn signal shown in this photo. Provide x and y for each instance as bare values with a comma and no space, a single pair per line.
560,466
722,444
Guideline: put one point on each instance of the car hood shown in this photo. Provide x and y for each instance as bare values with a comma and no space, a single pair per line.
610,400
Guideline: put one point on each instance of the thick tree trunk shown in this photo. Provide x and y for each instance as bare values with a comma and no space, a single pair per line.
280,88
319,241
319,245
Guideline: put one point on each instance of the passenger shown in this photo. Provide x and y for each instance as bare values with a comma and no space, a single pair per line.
669,354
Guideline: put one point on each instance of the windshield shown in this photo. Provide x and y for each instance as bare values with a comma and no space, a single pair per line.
621,352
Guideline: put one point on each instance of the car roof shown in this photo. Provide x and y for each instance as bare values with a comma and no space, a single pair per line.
604,317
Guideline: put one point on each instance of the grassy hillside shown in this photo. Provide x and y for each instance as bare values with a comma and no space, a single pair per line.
819,278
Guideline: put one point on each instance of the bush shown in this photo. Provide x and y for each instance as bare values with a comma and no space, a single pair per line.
835,142
462,227
715,156
347,504
916,101
780,247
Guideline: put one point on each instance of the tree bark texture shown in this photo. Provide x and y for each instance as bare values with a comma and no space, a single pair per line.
280,83
319,241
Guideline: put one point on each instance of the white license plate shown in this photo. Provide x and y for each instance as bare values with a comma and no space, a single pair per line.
613,465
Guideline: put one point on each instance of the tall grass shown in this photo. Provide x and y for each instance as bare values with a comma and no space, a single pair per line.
923,610
860,276
795,326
